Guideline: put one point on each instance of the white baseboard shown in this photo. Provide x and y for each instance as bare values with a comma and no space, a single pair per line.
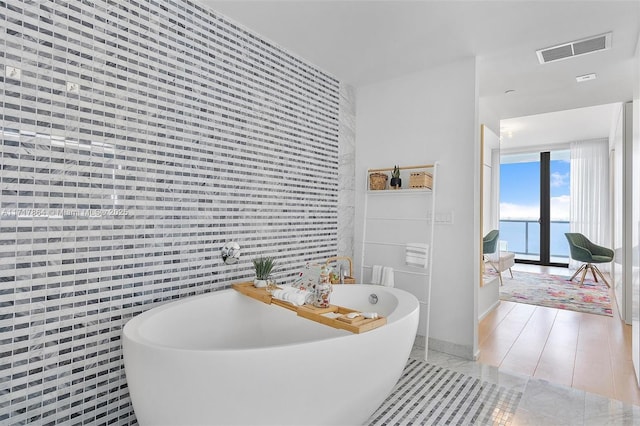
488,311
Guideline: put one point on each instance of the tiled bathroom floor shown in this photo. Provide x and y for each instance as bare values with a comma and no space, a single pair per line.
430,394
540,402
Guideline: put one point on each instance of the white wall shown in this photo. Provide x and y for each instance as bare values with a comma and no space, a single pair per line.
636,218
488,116
621,161
490,177
420,118
489,292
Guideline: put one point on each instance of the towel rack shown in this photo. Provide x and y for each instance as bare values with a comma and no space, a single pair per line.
384,243
417,219
419,207
403,271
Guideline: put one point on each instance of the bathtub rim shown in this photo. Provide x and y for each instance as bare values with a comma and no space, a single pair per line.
407,305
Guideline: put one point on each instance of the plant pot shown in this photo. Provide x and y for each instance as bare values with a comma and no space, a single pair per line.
271,286
395,183
259,283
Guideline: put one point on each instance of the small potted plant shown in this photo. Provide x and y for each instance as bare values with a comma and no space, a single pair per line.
395,182
263,266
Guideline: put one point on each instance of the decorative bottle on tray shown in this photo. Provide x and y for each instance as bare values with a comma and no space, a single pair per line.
323,290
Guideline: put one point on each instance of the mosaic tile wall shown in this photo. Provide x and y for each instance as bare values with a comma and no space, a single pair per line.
137,137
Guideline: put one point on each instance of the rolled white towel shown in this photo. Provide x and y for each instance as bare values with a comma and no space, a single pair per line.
294,296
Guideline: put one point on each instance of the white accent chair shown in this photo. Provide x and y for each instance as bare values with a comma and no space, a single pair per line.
502,260
505,261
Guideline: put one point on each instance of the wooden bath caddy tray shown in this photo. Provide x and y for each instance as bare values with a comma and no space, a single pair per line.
333,316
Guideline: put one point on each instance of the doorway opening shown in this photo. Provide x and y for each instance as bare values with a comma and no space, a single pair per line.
534,206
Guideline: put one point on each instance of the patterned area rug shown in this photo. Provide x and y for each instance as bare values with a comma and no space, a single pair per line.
556,291
430,395
490,274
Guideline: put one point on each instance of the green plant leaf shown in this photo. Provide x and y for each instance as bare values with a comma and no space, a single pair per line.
264,266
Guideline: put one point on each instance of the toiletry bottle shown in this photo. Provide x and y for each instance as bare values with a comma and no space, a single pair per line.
323,289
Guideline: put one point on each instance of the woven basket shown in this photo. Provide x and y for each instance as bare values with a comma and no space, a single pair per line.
420,180
377,181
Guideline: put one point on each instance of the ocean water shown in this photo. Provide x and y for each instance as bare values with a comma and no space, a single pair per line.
523,237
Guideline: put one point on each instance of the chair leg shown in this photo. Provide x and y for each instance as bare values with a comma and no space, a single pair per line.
497,270
584,274
593,272
577,272
600,273
511,272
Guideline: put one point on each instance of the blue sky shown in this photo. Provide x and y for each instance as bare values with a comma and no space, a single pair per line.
520,190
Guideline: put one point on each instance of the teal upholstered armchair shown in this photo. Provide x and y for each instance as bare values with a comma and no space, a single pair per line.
490,246
490,242
583,250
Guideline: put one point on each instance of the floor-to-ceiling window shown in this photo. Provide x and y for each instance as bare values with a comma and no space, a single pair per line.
534,206
559,172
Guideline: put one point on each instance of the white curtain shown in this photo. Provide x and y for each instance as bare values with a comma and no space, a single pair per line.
589,190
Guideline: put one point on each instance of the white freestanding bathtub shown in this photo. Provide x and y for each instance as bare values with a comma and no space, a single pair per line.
224,358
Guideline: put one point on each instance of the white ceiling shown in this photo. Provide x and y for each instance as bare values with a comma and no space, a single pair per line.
556,128
362,41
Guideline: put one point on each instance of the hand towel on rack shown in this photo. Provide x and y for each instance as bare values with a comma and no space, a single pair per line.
376,274
416,254
387,277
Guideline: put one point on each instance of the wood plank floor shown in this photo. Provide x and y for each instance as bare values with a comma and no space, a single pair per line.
584,351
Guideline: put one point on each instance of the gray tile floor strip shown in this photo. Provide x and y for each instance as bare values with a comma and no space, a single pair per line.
462,392
432,395
423,384
438,403
399,393
472,413
461,406
409,384
426,390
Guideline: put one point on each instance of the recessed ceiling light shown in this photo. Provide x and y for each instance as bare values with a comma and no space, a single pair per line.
506,131
585,77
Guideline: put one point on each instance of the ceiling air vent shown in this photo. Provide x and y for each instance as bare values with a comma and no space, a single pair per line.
574,48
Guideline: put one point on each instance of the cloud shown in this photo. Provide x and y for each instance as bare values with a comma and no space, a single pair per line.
518,212
559,179
560,207
559,210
